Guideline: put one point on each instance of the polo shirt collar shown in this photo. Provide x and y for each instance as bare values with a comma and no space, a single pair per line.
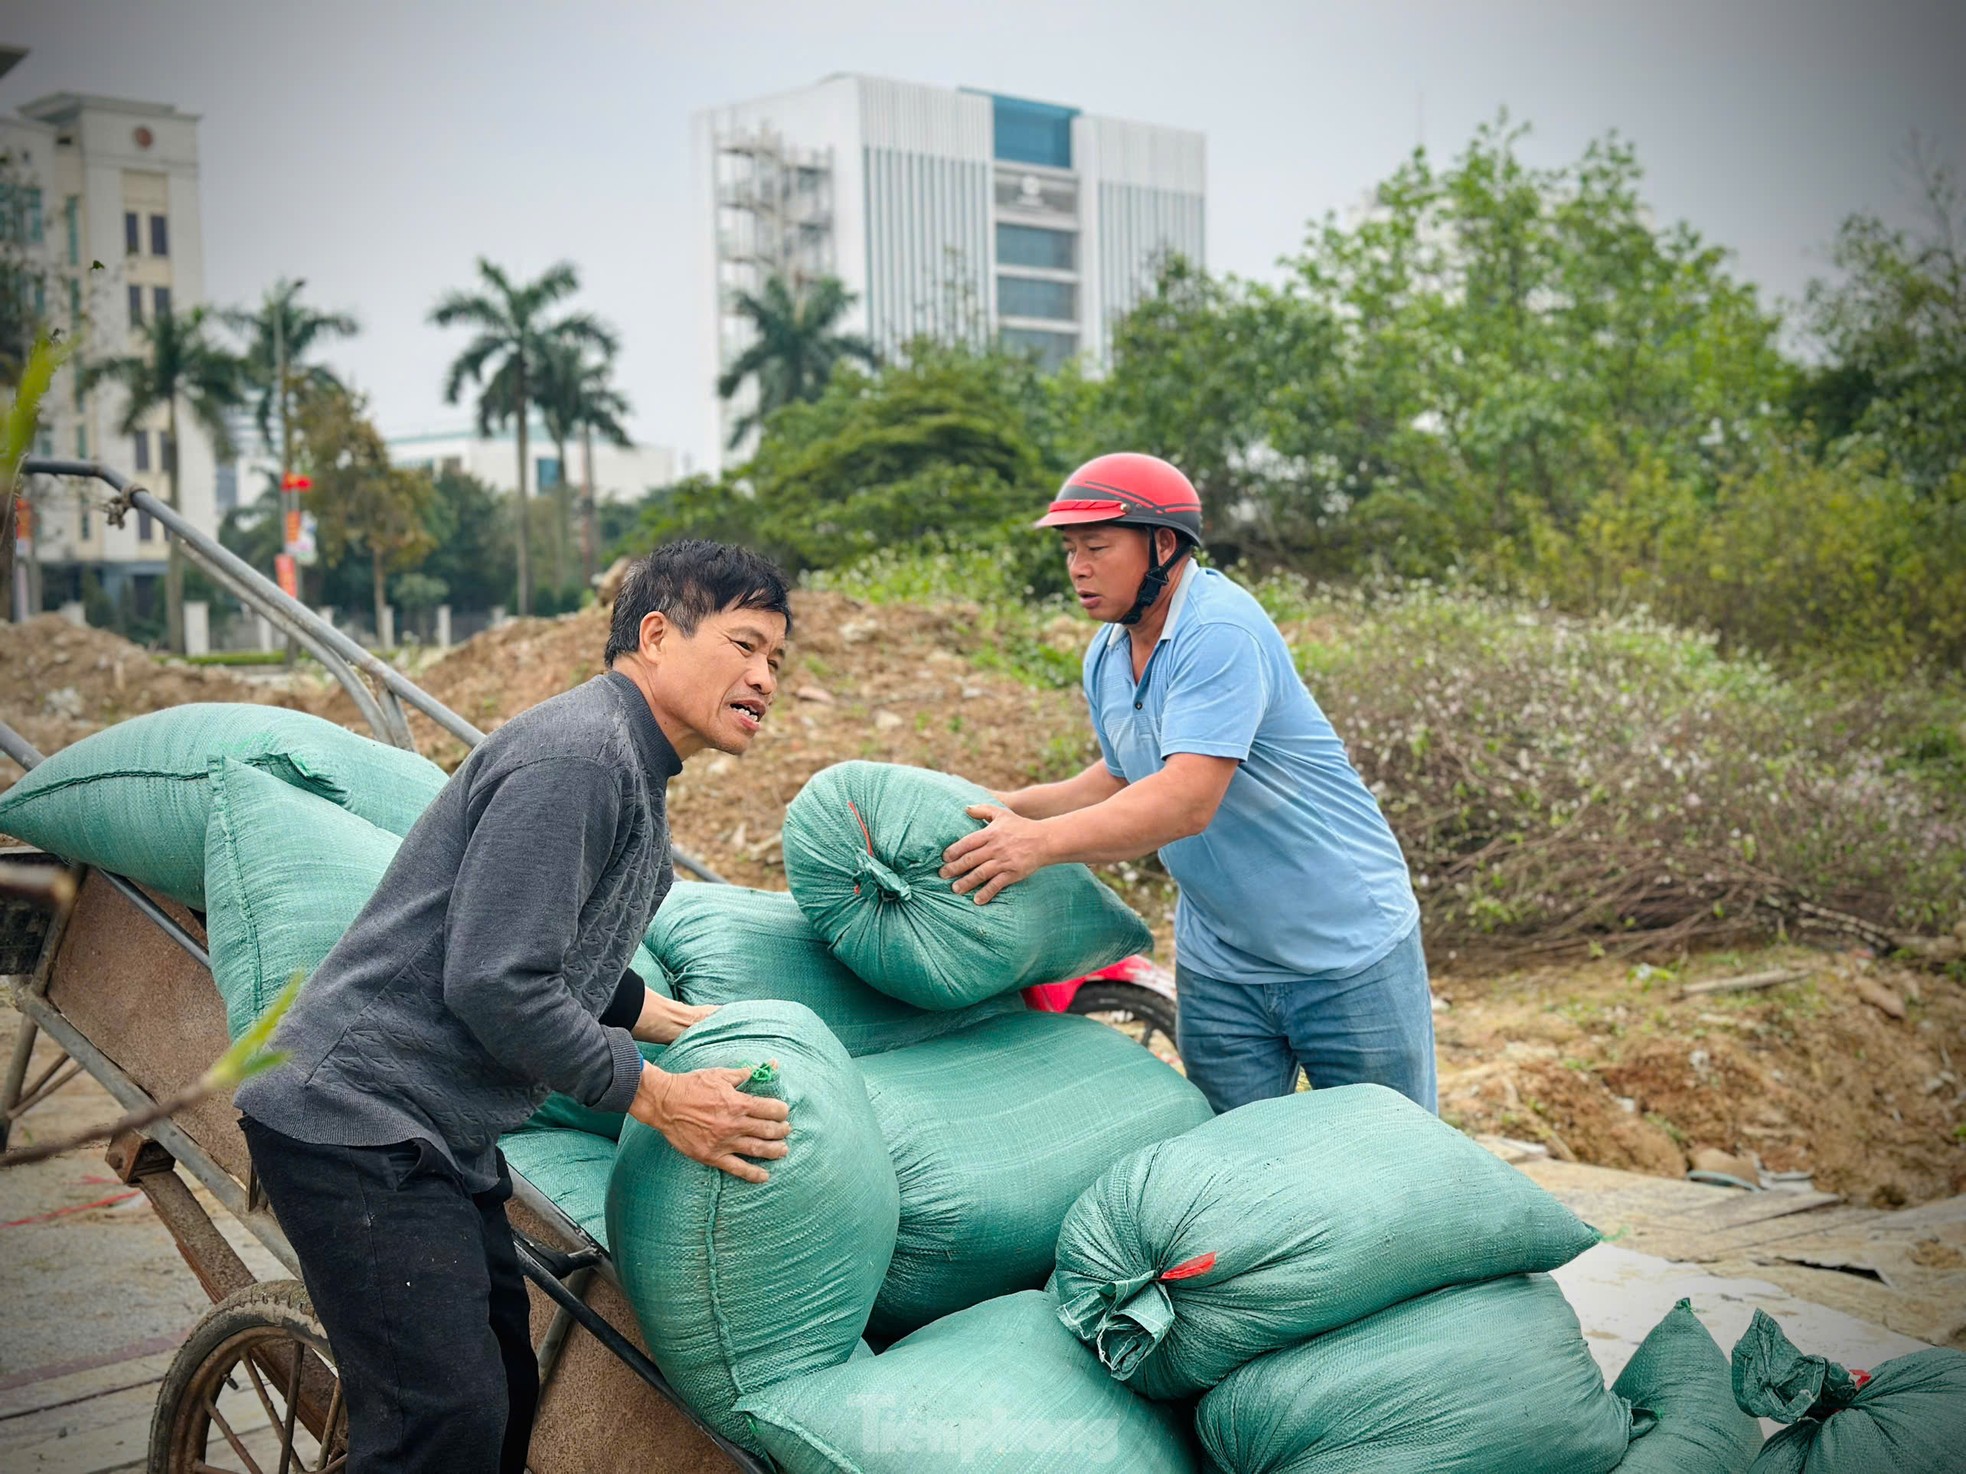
1117,632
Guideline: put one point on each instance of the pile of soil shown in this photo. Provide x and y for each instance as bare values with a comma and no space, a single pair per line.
891,684
59,682
1845,1073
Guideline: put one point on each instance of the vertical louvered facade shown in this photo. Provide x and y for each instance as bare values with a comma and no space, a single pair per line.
948,213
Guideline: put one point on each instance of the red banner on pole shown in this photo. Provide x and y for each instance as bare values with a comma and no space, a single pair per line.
289,576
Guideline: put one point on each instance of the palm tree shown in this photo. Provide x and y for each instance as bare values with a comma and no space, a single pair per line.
793,349
579,396
508,358
178,366
283,330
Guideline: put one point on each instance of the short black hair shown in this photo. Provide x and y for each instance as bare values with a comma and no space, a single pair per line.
690,579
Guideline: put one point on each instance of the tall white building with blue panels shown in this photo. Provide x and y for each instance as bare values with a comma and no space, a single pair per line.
948,212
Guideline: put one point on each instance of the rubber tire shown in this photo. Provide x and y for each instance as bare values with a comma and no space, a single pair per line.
1154,1009
280,1304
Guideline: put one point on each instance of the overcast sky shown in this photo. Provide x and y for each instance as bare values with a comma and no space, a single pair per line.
377,148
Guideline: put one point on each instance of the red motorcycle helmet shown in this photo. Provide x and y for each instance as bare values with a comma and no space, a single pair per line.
1132,490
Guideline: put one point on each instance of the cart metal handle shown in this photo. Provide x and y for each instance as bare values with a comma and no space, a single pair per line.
341,655
538,1264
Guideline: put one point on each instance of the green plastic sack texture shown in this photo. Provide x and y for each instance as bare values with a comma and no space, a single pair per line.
728,943
738,1285
1489,1378
134,798
994,1133
570,1167
1907,1416
1000,1388
1684,1419
285,875
863,845
1284,1218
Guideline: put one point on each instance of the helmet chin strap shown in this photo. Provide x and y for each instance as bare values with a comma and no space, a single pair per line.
1152,585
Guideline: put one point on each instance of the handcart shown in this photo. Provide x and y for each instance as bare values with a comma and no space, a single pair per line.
121,981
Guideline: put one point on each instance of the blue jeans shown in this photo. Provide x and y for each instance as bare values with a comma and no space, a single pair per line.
1246,1041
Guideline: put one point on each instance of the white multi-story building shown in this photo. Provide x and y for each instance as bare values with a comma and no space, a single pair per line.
947,212
620,473
104,179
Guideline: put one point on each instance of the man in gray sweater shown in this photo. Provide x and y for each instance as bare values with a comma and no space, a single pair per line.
489,968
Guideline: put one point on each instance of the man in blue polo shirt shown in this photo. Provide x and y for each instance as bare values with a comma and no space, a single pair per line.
1297,934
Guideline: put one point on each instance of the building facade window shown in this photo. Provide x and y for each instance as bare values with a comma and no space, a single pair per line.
1033,132
142,442
160,236
72,207
1025,296
1051,350
136,306
132,233
146,526
160,300
1034,246
545,472
166,453
83,524
81,442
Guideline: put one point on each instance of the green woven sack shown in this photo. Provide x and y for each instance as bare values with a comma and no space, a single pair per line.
728,943
1908,1416
1284,1218
863,844
1684,1420
1000,1388
285,875
994,1133
134,798
739,1285
569,1167
1491,1378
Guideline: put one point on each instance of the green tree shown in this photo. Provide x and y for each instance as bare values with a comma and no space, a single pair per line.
577,397
27,282
284,329
360,501
1892,330
178,367
514,326
474,547
795,344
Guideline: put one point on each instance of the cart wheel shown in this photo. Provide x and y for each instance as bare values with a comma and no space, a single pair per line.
252,1388
1139,1013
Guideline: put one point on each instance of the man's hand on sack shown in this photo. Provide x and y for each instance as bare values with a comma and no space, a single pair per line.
1009,849
663,1019
705,1116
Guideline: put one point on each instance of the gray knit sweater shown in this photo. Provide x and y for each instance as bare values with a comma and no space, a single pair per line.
472,983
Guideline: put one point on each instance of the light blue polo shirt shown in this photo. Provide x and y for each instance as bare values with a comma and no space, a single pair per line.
1298,875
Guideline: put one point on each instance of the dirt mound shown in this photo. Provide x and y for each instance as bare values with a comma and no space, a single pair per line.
59,682
1845,1073
888,683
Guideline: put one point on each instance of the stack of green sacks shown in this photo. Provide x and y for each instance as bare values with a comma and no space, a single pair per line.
729,944
1347,1283
135,798
863,847
994,1132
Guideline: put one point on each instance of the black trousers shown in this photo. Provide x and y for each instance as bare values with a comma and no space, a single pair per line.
418,1286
